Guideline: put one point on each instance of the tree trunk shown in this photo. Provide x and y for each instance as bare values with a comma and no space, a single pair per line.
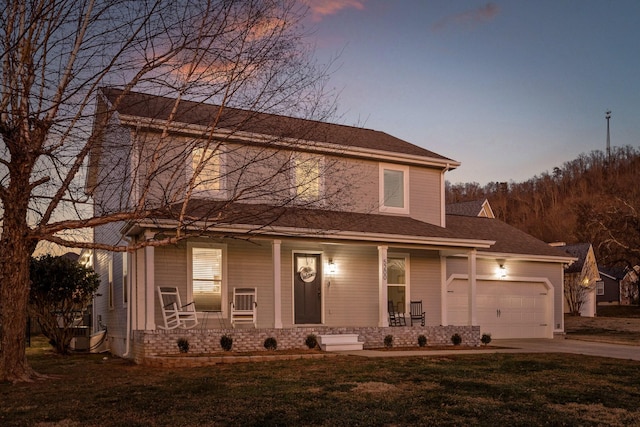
15,254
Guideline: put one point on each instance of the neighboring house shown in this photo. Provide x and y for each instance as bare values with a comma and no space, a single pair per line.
327,262
480,208
581,278
629,292
608,289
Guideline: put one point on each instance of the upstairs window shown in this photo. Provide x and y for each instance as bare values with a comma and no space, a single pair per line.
394,188
209,179
307,179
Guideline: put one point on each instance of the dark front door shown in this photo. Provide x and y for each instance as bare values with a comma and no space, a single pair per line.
307,288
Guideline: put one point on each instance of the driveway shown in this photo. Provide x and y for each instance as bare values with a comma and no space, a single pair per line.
561,345
556,345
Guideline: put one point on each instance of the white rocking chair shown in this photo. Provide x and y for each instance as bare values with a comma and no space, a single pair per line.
174,314
244,306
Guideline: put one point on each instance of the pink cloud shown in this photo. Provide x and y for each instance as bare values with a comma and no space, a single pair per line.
469,18
322,8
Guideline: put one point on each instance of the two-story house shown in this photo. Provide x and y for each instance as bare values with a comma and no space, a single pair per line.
326,224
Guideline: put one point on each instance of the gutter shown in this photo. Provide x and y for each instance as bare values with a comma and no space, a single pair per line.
131,229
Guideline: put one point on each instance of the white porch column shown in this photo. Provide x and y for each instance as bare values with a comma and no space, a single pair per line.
444,291
149,273
383,319
472,288
277,284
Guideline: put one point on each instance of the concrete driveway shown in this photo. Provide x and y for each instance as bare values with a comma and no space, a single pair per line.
556,345
562,345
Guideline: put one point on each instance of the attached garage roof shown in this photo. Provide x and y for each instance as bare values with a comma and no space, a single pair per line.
508,239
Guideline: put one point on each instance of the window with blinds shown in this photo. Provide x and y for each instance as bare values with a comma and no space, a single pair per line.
306,177
209,176
206,276
397,282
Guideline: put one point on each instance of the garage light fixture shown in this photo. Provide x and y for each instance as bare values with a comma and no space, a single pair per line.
502,271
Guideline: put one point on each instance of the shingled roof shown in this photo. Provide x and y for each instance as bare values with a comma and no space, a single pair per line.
580,251
509,240
197,113
469,231
470,208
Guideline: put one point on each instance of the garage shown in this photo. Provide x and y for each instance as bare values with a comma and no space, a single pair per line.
505,309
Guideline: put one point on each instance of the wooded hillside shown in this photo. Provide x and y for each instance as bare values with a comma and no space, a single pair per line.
590,199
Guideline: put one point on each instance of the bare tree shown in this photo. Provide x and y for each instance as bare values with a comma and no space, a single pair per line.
57,54
577,292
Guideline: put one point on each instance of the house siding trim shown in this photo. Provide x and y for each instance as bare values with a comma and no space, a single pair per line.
435,242
252,138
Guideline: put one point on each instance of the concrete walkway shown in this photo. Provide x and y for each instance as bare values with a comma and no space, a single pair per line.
557,345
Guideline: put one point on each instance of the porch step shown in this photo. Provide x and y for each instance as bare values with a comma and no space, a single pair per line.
341,342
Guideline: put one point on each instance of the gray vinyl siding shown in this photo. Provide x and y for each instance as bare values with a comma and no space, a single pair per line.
256,174
425,283
115,319
425,191
249,266
170,269
352,297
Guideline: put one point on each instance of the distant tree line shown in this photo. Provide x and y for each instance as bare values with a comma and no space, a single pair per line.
594,198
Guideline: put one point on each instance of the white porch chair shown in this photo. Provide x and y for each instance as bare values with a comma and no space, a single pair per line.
174,314
244,306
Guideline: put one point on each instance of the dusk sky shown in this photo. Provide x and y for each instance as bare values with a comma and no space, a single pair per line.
509,88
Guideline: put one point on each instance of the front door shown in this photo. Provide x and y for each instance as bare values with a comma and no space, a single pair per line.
307,288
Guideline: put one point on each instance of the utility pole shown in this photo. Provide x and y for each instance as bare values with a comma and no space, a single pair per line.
608,117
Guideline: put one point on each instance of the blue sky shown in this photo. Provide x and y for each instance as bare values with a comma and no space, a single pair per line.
509,88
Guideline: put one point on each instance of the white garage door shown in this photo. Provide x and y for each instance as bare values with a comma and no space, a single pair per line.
504,309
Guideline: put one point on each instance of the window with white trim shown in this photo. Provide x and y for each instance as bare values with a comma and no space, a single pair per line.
394,188
209,163
207,277
307,177
599,287
397,269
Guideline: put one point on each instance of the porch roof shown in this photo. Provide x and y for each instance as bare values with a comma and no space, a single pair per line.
484,234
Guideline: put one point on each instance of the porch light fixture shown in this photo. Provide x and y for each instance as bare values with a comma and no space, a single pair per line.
502,272
332,267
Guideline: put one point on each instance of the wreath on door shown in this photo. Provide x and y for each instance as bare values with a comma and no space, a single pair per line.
307,274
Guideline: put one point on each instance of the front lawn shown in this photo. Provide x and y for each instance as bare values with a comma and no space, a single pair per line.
492,389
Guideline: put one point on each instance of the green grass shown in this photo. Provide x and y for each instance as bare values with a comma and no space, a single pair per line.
618,311
494,389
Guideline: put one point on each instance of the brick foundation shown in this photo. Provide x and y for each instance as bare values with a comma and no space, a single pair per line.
201,341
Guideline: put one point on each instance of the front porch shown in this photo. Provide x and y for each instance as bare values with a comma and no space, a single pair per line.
150,343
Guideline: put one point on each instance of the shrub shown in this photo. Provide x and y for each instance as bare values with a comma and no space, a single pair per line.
422,340
388,341
61,290
183,345
311,341
456,339
226,342
270,343
486,339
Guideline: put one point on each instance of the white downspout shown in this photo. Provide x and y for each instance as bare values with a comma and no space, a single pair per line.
127,344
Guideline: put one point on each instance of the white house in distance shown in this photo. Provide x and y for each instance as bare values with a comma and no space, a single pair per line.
346,221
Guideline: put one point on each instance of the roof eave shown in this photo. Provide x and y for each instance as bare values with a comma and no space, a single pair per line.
310,145
440,242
